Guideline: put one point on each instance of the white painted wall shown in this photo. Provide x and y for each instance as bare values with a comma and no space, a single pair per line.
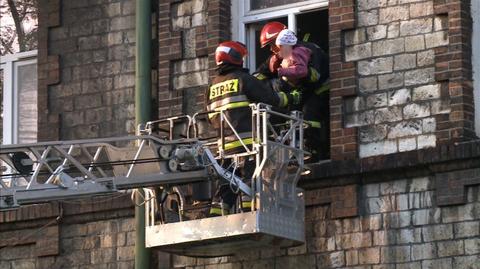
476,61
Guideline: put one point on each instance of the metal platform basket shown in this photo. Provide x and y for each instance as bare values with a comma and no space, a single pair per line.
277,213
166,160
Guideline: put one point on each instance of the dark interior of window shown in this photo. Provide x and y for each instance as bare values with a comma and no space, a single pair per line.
316,25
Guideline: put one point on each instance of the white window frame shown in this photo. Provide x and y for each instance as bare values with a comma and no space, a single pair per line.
10,64
242,16
475,10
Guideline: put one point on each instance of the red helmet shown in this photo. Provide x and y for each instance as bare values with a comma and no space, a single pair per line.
231,52
270,32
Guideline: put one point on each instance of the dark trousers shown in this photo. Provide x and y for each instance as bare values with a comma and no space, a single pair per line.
316,109
224,192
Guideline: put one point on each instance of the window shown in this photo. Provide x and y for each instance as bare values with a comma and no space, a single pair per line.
19,97
476,62
309,19
262,4
248,18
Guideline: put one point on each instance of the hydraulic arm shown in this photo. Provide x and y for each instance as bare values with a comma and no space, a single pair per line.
43,172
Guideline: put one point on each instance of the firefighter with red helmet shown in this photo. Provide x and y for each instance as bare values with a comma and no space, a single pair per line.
232,90
309,80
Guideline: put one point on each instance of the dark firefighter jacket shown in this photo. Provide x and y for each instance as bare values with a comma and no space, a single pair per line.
318,69
234,89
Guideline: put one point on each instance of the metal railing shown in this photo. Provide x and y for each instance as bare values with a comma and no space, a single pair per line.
276,215
277,148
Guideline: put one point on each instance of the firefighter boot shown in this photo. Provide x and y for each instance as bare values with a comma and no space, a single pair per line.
245,203
219,209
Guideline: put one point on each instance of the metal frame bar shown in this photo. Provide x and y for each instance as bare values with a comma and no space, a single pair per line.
88,183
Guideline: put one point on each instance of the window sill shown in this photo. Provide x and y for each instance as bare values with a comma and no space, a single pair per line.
423,162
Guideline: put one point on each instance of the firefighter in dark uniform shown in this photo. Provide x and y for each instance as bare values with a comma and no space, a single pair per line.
234,89
313,89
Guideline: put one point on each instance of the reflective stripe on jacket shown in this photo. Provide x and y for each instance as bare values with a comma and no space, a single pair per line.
232,90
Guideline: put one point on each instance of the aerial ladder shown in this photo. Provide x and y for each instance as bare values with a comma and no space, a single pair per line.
177,161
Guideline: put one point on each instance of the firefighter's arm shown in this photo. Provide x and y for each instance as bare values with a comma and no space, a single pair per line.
264,71
257,92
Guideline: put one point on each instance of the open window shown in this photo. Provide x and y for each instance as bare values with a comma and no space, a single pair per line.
308,19
303,17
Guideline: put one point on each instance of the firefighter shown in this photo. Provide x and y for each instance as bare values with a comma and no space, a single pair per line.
311,83
232,90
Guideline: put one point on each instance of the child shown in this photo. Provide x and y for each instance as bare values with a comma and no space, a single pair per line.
294,59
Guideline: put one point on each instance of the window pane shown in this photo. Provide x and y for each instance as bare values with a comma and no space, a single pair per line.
259,4
1,107
27,13
27,103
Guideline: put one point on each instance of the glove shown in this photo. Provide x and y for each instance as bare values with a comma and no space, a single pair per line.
274,63
260,76
295,97
292,98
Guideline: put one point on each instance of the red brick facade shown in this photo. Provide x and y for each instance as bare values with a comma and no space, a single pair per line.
342,80
453,68
48,69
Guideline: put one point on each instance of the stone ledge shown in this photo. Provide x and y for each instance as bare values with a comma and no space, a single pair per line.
82,211
45,239
440,154
441,162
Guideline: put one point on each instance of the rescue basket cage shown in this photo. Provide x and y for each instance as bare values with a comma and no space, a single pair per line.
176,161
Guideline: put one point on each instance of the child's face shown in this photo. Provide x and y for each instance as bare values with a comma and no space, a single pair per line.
285,51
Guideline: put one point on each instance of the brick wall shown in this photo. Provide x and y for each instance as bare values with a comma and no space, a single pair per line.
48,69
86,63
93,94
399,226
96,244
401,70
401,76
400,81
189,32
97,233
